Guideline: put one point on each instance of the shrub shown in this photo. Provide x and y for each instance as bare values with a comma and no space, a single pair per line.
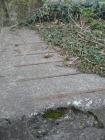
97,25
55,11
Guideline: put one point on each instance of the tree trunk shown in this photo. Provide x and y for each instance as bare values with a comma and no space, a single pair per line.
4,6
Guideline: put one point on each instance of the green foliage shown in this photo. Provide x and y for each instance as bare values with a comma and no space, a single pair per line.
92,18
50,12
55,11
69,36
53,33
91,57
95,24
87,12
102,11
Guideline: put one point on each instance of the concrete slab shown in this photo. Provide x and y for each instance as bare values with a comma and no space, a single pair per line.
25,96
32,49
54,85
27,60
29,36
30,82
43,70
22,36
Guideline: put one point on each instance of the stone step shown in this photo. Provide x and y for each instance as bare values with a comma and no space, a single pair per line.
26,60
36,48
25,97
72,83
43,70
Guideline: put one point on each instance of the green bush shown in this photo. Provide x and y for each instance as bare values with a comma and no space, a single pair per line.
87,12
55,11
95,24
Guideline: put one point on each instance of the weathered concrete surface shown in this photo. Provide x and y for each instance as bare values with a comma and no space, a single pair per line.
26,77
29,82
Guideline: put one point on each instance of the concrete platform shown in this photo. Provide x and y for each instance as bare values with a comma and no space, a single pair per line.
29,82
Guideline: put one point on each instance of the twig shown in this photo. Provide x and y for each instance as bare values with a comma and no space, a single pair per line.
13,26
93,41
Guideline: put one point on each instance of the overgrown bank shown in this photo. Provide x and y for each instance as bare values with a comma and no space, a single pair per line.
82,45
77,31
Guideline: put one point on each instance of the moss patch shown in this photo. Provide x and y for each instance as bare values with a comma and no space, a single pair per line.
54,114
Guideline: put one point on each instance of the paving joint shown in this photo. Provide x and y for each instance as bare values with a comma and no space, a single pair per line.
49,52
27,65
47,77
71,94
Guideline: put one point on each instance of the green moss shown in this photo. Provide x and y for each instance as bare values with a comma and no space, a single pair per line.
54,114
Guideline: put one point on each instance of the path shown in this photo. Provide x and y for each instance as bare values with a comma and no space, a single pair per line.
30,82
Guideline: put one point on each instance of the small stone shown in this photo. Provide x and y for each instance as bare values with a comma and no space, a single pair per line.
47,55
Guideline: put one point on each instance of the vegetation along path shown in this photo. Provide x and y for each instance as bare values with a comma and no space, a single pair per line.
33,77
